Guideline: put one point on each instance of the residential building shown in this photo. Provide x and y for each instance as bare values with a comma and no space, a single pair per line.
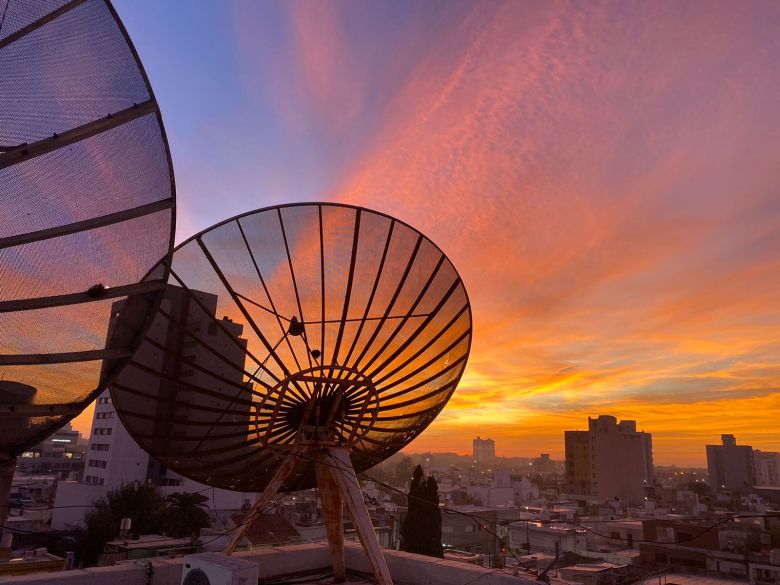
483,450
595,573
730,466
536,536
609,461
543,464
764,573
625,533
492,497
60,454
476,529
113,457
185,346
767,466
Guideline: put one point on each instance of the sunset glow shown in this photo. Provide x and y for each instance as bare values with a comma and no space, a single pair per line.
604,177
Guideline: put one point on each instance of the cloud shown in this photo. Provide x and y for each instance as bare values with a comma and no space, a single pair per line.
608,201
603,176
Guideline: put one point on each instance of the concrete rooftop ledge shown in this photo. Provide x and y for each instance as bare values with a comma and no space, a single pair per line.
405,568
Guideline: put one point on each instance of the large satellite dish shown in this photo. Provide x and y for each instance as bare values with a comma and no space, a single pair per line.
294,346
86,210
305,314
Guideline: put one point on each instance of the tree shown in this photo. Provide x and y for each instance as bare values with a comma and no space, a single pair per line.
404,468
187,514
433,544
101,527
142,503
421,529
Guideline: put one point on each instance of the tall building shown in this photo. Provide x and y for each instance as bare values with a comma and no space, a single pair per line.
483,450
60,454
767,464
730,466
543,464
610,460
113,457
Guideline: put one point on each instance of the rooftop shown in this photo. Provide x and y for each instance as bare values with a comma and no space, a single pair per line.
689,579
592,568
292,563
146,541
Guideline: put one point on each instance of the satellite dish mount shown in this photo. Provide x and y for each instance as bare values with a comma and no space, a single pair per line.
338,392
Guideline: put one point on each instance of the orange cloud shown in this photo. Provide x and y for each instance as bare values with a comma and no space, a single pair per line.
610,205
604,179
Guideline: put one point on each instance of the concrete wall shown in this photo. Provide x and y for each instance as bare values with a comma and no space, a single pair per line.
405,568
72,501
492,497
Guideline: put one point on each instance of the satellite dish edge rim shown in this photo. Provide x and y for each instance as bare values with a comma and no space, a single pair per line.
391,448
70,410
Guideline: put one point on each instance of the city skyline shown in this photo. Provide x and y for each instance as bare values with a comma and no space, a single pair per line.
608,198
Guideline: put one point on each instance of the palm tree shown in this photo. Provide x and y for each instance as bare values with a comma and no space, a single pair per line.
187,514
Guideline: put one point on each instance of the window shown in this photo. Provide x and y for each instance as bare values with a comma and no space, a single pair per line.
97,463
100,446
104,400
103,430
170,482
102,415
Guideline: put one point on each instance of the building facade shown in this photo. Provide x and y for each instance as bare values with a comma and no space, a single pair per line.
529,536
611,460
60,454
767,466
730,466
483,450
113,457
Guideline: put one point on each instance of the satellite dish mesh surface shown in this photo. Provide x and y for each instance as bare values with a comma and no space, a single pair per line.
295,317
86,209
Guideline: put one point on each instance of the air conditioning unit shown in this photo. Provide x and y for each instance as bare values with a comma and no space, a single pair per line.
218,569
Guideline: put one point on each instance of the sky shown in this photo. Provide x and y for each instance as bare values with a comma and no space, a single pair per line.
603,175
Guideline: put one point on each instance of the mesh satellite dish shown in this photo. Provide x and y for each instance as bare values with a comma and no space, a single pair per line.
86,210
294,346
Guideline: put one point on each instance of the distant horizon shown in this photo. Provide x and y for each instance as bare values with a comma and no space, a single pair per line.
83,422
552,458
